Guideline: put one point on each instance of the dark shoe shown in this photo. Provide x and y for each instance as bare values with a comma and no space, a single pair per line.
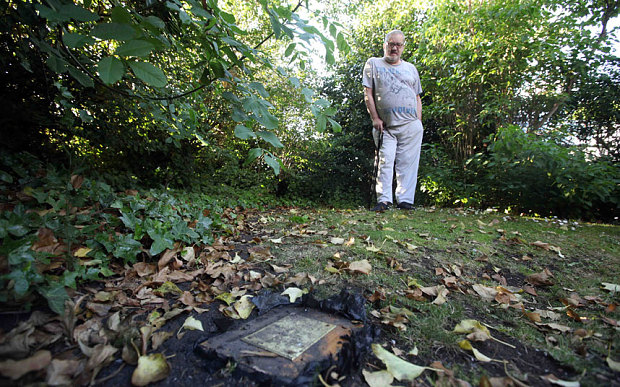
405,206
380,207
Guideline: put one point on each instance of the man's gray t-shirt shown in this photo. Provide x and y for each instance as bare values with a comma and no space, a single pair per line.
395,90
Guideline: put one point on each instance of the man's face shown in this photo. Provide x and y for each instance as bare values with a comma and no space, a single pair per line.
393,48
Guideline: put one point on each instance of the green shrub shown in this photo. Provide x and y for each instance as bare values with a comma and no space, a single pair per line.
441,181
536,173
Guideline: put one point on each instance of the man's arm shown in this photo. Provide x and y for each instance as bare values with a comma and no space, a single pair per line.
419,107
377,122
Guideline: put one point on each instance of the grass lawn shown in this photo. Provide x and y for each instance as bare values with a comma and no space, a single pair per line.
546,288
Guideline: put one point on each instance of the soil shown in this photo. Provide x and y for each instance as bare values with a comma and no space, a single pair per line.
189,367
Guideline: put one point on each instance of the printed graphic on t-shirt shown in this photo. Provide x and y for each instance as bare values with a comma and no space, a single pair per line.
395,90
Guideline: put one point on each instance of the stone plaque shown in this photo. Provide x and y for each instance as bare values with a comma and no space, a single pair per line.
290,336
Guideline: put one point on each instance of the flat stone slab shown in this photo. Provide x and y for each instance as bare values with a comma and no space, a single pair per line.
300,333
283,342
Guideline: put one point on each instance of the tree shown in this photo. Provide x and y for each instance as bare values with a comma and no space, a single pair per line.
172,72
488,64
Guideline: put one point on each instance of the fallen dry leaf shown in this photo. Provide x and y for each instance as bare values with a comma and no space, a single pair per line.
378,295
244,307
548,314
61,372
378,378
466,345
167,256
555,380
158,338
557,327
18,341
192,324
294,293
477,331
540,279
363,267
614,365
610,321
151,368
336,241
15,369
540,244
532,316
102,355
610,287
399,368
442,292
530,290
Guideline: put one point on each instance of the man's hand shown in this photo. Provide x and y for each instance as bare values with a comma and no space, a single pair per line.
377,123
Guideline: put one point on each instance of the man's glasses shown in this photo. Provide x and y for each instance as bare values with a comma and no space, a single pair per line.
392,45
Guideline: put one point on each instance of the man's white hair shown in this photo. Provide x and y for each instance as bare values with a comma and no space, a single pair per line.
393,32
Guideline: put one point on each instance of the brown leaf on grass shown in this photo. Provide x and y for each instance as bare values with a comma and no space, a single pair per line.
572,314
15,369
456,270
530,290
301,279
487,293
610,321
362,267
445,377
574,299
415,294
532,316
378,295
499,278
394,264
431,290
542,245
548,314
450,282
260,253
442,292
280,269
556,327
393,316
482,258
503,298
540,279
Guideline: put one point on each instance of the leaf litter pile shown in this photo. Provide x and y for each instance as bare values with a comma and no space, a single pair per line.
462,297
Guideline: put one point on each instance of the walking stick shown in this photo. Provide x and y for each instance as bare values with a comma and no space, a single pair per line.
373,186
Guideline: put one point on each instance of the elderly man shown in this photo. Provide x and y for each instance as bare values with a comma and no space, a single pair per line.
392,94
